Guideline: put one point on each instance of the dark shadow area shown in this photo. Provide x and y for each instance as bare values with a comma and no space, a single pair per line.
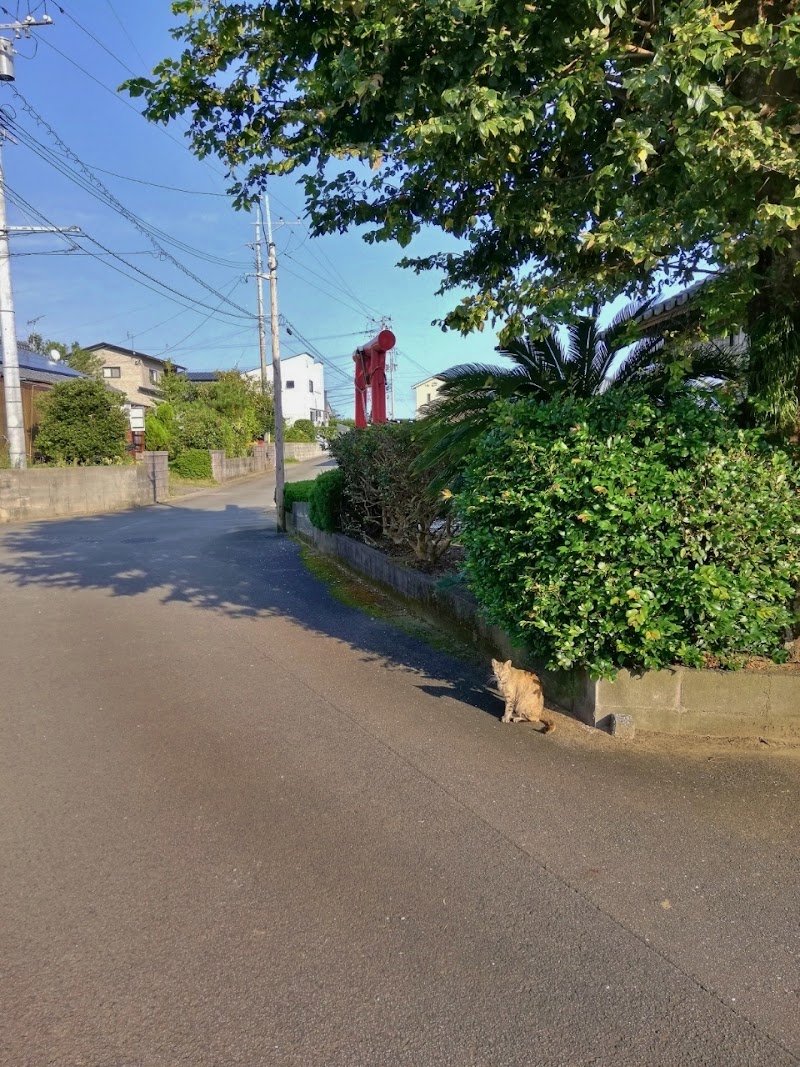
230,561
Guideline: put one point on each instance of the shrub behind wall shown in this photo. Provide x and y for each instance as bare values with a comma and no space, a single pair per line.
610,533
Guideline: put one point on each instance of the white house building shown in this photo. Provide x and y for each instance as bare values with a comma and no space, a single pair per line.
303,392
425,393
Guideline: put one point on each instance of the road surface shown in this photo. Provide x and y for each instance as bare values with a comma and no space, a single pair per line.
243,824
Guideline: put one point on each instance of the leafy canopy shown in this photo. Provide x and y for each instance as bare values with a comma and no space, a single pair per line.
614,532
578,149
582,361
81,422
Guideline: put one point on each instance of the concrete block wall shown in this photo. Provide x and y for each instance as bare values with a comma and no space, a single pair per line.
224,467
299,451
57,492
679,701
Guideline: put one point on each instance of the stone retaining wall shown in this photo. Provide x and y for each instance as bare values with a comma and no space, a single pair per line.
57,492
762,704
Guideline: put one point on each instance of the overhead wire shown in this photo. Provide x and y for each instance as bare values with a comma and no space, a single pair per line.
103,194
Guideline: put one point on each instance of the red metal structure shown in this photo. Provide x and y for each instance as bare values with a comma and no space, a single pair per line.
370,361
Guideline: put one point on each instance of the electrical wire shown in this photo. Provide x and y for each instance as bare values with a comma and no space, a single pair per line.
103,194
152,283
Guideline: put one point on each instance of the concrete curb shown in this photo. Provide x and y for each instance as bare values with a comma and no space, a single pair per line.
747,704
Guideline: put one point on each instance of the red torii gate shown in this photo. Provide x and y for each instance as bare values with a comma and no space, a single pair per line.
370,377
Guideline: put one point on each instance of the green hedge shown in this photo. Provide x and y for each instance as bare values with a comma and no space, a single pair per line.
296,491
192,463
610,533
325,501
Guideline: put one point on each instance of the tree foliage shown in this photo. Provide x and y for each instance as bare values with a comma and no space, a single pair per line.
611,532
577,150
231,411
383,501
581,361
81,422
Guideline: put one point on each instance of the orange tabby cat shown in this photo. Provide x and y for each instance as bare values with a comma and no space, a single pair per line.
523,694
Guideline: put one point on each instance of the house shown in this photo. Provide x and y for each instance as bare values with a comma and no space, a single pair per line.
425,393
135,374
681,305
303,392
37,375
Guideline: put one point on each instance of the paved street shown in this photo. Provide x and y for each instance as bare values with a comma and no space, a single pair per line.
243,824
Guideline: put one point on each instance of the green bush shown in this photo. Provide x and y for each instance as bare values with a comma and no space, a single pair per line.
301,432
610,533
157,437
81,422
297,491
201,427
384,500
306,428
192,463
325,501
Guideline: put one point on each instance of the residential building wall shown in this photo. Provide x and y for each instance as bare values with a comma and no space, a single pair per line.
135,369
425,393
303,391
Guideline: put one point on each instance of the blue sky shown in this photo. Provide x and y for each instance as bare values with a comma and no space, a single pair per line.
333,289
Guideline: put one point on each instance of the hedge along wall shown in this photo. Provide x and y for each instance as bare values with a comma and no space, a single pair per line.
614,533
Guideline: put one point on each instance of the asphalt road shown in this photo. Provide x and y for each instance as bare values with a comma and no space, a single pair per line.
242,824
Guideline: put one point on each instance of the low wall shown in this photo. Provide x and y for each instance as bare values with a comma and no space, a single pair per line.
57,492
763,704
299,451
224,467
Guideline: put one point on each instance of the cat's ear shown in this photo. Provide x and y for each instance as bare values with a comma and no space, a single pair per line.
495,663
507,663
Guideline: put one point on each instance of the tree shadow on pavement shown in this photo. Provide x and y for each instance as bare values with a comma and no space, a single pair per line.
230,561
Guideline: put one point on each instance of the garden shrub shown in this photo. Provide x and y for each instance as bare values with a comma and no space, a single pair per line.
201,427
297,491
325,501
82,422
301,432
610,533
384,499
159,430
193,463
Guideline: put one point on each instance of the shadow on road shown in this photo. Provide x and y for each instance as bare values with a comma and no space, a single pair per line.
230,561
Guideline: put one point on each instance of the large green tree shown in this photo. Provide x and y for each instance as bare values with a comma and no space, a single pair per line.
578,149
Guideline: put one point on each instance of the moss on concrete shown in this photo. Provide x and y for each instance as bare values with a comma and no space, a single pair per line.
356,592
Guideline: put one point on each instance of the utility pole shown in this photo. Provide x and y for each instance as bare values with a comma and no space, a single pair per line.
15,420
277,384
262,337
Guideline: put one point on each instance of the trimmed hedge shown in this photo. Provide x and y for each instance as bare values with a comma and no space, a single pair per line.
296,491
612,533
325,501
192,463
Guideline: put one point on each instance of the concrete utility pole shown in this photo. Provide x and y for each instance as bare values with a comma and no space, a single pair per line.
262,337
277,384
15,421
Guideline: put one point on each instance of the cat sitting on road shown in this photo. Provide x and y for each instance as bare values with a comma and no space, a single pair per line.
523,694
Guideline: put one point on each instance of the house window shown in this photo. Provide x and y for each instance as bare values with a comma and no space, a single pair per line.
155,376
310,386
290,385
111,372
429,399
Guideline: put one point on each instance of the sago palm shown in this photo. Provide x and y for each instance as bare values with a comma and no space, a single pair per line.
581,361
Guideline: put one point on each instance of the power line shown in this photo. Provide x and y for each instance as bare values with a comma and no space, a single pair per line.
125,31
103,194
159,287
